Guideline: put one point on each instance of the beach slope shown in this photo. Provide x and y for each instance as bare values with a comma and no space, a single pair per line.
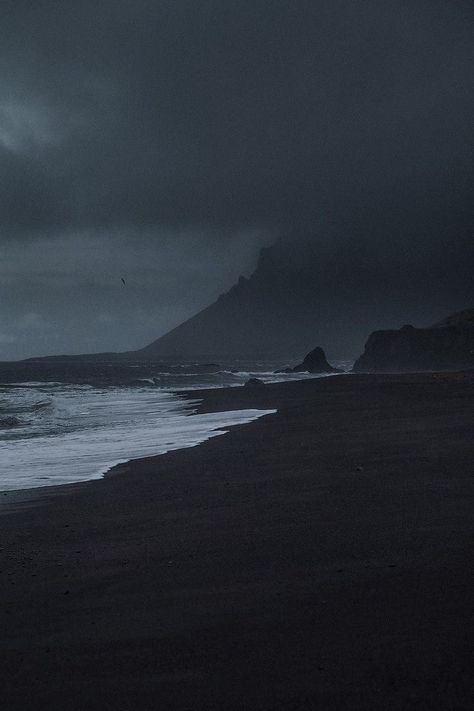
318,558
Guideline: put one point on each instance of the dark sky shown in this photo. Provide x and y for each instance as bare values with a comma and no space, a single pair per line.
165,142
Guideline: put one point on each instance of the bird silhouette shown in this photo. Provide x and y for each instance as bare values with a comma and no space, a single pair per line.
123,281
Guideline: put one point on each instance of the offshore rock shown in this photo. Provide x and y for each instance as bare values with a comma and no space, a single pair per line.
314,362
254,383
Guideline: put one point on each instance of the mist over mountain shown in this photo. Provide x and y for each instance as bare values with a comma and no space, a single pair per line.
300,296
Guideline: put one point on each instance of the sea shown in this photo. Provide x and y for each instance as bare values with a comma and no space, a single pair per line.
69,421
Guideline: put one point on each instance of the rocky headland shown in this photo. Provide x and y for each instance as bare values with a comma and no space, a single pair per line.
447,345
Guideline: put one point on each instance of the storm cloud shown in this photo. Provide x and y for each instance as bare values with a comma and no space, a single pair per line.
168,141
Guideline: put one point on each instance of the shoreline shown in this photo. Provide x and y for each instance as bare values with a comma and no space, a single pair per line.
317,558
205,404
242,416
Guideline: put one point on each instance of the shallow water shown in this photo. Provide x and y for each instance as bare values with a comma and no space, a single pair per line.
65,422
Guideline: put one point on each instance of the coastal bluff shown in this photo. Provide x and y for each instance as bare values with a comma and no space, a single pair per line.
447,345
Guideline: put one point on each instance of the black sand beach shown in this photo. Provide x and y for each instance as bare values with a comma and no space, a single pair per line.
319,558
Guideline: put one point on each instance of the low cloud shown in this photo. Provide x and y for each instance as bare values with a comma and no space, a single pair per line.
166,142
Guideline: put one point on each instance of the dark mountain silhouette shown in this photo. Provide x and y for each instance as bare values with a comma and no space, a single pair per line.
302,293
299,295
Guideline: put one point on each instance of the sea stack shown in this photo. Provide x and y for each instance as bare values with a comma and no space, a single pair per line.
314,362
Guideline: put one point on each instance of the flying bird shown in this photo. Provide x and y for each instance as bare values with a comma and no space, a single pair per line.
123,281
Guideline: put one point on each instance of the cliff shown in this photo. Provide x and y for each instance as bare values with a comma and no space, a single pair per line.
449,345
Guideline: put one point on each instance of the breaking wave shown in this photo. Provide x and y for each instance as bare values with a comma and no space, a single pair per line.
62,423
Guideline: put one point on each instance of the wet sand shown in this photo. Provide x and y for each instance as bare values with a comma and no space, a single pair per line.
319,558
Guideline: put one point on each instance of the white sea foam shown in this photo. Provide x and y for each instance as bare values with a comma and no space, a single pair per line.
68,422
82,432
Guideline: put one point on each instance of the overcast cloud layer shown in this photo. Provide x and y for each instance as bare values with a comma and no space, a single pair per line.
164,142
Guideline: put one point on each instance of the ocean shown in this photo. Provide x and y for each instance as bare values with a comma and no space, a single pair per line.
69,421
